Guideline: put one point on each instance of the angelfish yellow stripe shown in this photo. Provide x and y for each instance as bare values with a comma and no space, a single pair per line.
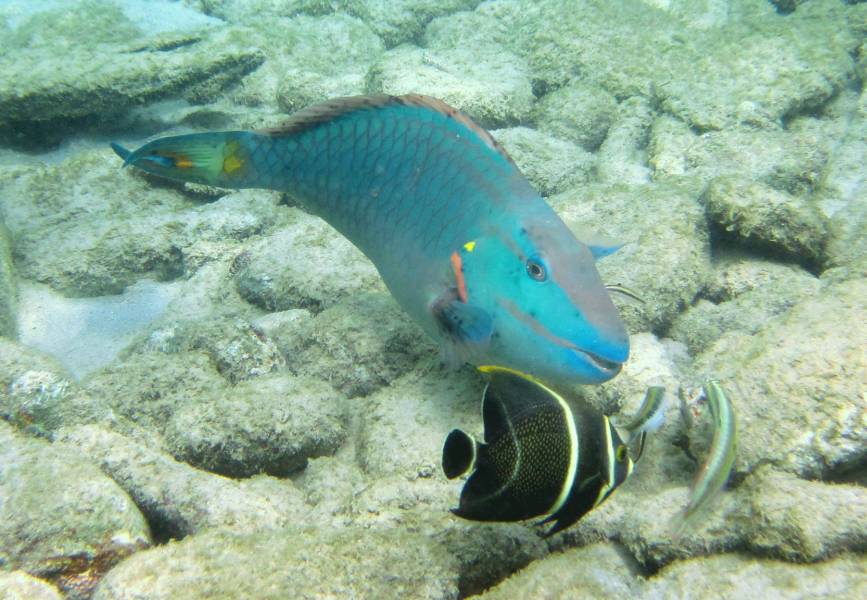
572,471
609,485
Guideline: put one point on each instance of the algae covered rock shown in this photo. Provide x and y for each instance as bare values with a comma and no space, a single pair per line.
578,112
18,585
594,571
293,562
404,424
8,287
360,344
622,158
53,82
148,388
177,499
304,265
740,575
759,216
665,259
744,294
790,161
271,425
551,164
493,90
60,517
308,59
798,520
235,347
40,396
797,385
87,229
394,21
761,70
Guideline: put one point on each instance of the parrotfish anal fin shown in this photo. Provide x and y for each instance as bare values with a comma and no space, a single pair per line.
332,109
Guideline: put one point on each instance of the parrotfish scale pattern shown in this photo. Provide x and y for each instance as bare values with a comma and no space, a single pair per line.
398,173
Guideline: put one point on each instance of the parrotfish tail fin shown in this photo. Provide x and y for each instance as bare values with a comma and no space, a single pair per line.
216,158
459,454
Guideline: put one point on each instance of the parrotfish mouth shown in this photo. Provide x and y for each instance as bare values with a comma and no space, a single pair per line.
607,367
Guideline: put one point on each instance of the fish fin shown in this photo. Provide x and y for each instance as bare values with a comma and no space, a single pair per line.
121,151
599,245
600,251
214,158
459,454
461,322
511,395
335,108
494,416
638,443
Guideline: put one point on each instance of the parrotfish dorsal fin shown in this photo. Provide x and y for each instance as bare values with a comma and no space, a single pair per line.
509,396
332,109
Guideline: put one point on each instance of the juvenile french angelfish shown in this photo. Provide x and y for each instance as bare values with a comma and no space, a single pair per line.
542,455
464,243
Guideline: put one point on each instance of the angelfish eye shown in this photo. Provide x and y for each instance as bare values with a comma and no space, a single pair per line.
536,270
620,453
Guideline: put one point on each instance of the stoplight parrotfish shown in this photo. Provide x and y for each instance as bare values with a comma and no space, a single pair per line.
543,455
713,473
464,243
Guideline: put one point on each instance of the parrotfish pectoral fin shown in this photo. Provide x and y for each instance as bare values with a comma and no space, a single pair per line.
601,251
121,152
459,454
599,245
465,325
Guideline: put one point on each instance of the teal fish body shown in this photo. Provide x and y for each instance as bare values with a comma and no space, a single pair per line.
459,236
542,456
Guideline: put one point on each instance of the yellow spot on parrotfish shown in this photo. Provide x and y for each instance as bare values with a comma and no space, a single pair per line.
232,162
469,246
183,162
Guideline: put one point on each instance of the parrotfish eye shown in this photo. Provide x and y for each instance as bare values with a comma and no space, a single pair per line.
536,270
620,453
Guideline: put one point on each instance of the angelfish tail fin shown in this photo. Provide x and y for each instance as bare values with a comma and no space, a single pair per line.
216,158
459,454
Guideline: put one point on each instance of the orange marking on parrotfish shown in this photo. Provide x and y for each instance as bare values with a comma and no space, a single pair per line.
458,268
183,162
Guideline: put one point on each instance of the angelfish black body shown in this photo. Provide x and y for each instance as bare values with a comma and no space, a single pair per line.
542,455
